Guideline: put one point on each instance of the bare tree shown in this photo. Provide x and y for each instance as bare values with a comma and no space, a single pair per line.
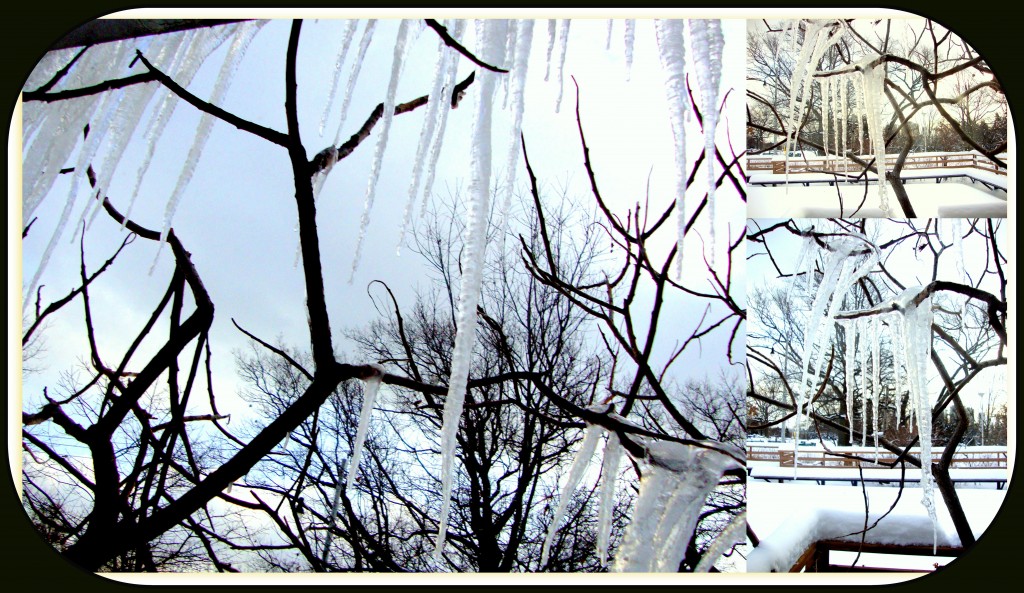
156,468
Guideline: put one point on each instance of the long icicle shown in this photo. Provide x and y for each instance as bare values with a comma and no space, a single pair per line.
524,41
563,48
370,389
231,61
579,465
734,533
491,38
609,474
397,63
707,44
346,41
438,140
435,104
669,33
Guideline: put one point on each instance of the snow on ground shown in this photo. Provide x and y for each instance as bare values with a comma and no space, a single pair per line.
951,198
767,470
789,517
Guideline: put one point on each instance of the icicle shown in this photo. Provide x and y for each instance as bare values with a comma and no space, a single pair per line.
195,48
874,81
98,125
346,41
102,130
734,533
843,86
563,47
669,34
490,33
99,130
609,475
865,390
818,320
579,466
371,387
235,53
55,139
552,27
128,115
511,63
806,248
794,34
825,94
862,112
608,40
796,87
898,354
848,357
876,363
438,140
674,484
961,267
436,102
334,516
48,252
518,84
707,44
817,40
629,37
918,347
636,549
357,64
397,63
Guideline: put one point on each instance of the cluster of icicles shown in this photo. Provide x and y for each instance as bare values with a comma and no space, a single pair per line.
50,137
675,481
863,81
51,134
909,319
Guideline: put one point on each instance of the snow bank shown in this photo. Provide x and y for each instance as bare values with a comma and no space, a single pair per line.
821,201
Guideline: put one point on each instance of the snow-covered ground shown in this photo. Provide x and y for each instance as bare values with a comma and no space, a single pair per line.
789,517
957,197
962,476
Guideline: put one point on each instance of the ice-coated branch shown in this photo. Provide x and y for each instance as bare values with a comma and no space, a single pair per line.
326,157
451,42
268,134
914,295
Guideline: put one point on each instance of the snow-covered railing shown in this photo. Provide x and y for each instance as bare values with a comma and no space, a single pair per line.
777,165
816,558
961,459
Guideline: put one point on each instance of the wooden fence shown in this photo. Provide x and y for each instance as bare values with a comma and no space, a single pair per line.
834,164
816,558
819,458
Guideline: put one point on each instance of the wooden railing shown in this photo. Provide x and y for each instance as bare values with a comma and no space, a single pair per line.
818,458
834,164
816,557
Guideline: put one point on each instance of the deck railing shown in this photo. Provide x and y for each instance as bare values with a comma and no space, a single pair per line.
835,164
816,558
819,458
